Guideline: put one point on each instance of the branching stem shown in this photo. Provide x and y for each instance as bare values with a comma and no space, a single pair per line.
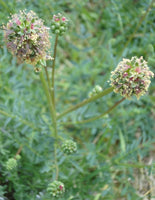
86,101
96,117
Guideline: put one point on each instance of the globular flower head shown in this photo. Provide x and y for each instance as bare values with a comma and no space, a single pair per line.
27,38
59,24
11,164
96,90
18,157
69,147
131,77
56,189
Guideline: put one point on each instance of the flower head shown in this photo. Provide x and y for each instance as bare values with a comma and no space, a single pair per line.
69,147
56,189
131,77
11,164
59,24
27,38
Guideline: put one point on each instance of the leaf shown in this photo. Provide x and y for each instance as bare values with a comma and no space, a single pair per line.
122,141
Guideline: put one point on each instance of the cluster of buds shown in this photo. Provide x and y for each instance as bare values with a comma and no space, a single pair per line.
27,38
59,24
12,163
56,189
69,147
131,77
96,90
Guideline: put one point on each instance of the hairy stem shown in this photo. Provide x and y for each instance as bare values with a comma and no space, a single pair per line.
86,101
53,70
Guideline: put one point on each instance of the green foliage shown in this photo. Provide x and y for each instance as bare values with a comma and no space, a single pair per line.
112,150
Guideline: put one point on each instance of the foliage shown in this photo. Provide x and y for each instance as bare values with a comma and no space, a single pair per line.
112,150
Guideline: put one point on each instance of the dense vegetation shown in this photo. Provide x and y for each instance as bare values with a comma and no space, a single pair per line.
115,157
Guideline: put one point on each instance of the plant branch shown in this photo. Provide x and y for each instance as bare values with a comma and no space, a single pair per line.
53,70
96,117
47,76
86,101
53,117
19,150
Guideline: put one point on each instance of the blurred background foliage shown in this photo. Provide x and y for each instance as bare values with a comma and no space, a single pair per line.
115,158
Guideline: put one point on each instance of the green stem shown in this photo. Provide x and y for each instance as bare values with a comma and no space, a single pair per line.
53,70
86,101
53,117
47,76
45,87
96,117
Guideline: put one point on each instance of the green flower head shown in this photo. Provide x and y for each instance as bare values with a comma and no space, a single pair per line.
56,189
11,164
69,147
59,24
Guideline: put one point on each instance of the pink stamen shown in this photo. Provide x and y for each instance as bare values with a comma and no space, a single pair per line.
61,187
138,70
63,18
32,26
125,74
56,19
127,67
18,22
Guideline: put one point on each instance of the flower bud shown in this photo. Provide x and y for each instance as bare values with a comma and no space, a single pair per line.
56,189
18,157
96,90
131,77
59,24
57,31
11,164
69,147
37,70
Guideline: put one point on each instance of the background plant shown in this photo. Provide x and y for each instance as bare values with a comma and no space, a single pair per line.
86,56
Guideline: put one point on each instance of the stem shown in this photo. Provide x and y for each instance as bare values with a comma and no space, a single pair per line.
55,160
53,69
47,76
19,150
97,117
53,117
86,101
45,87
